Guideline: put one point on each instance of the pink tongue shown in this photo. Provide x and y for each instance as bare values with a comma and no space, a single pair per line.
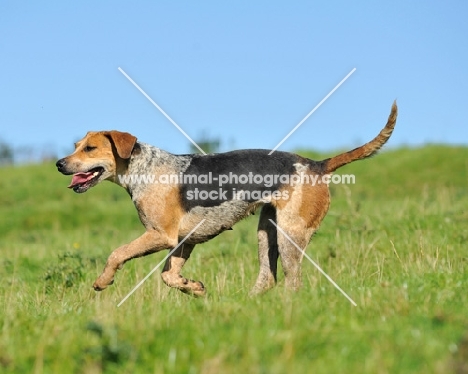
80,178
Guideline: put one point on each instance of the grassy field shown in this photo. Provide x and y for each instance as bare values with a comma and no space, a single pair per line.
396,242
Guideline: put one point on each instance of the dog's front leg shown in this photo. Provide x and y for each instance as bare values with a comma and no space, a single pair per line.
150,242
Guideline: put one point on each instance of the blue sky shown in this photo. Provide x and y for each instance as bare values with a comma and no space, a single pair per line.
244,71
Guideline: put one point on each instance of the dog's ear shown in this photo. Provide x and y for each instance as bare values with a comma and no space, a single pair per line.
123,141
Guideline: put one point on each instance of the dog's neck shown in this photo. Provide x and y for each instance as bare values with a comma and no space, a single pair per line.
147,162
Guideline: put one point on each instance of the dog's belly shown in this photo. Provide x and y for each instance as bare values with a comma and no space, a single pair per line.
215,219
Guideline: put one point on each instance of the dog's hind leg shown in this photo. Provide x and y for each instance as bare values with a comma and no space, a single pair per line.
291,256
171,272
267,251
297,220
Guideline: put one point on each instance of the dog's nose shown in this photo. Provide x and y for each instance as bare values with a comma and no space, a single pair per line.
60,164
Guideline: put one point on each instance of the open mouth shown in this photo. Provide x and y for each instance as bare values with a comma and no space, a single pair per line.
81,182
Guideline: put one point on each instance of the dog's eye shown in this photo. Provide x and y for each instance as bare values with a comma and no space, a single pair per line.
89,148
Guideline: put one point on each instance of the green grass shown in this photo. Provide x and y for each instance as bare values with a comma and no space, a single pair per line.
395,242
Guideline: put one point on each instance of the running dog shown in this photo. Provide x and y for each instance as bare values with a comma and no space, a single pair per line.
175,193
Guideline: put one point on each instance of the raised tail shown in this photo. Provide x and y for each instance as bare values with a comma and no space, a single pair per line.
366,150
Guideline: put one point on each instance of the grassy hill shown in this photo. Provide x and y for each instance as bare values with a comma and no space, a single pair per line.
395,241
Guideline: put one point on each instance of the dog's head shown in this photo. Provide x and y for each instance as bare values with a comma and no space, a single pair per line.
97,157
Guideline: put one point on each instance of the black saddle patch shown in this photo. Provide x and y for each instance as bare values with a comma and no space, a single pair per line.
248,175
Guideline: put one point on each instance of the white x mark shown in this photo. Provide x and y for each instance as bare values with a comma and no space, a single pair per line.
274,149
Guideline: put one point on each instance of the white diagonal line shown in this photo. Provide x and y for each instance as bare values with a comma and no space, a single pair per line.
313,110
313,262
162,262
162,111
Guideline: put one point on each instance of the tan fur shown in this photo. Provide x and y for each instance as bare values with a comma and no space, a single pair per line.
367,149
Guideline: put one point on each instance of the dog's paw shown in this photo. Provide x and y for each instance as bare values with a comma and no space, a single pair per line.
194,288
99,285
199,291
